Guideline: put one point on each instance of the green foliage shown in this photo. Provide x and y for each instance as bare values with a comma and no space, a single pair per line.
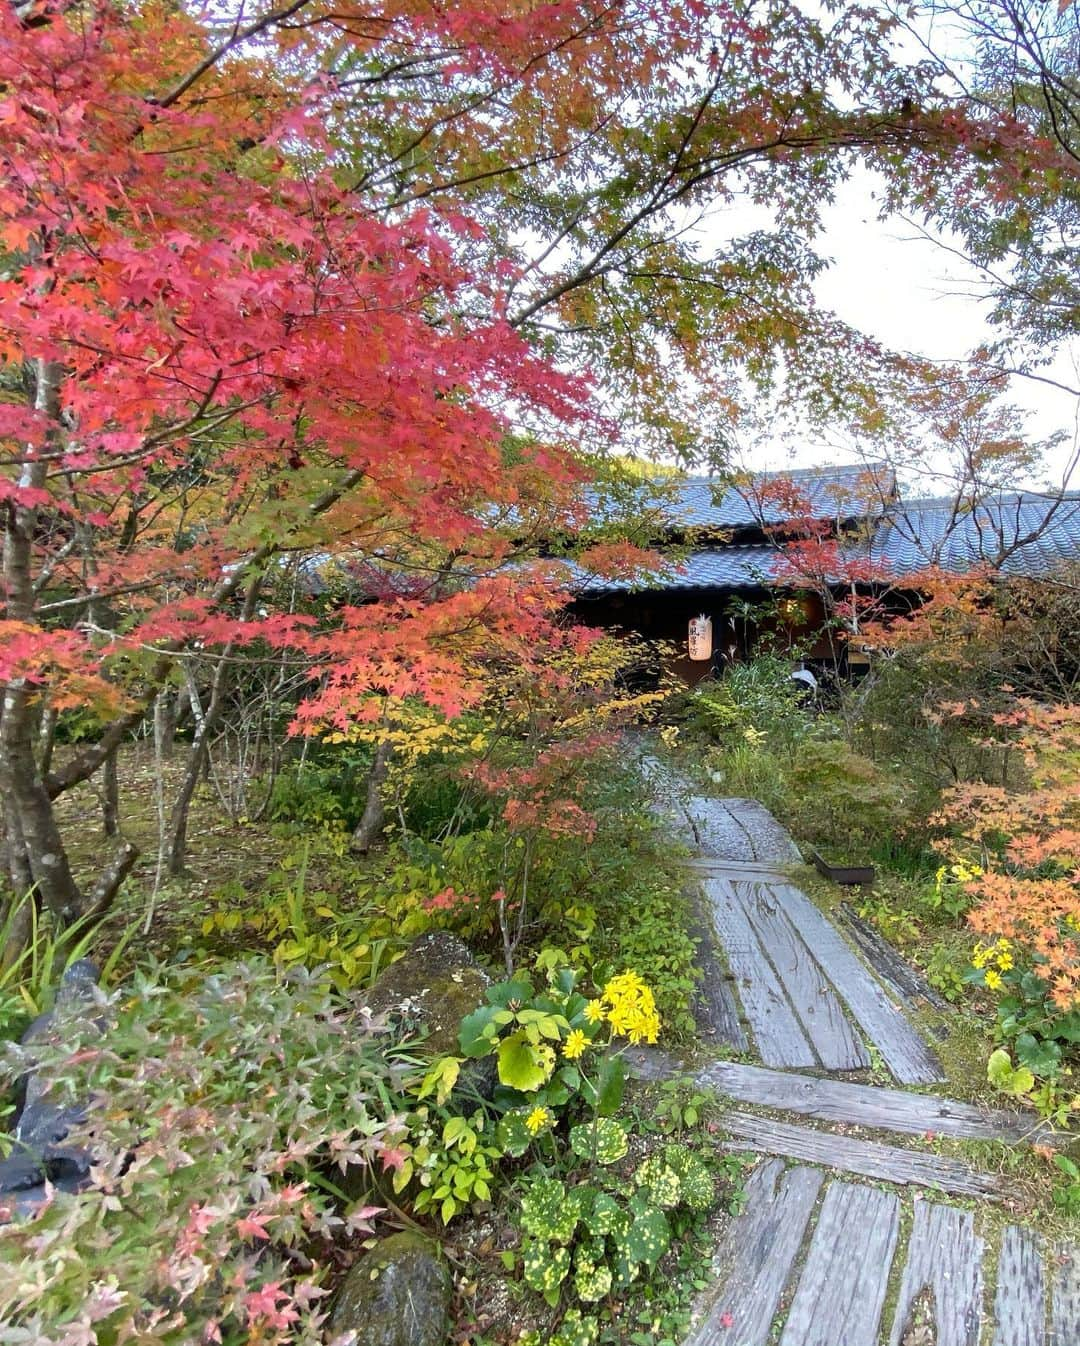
324,792
452,1159
28,983
590,1239
845,801
226,1097
1066,1194
307,928
602,1141
758,697
945,972
679,1105
1010,1079
1042,1037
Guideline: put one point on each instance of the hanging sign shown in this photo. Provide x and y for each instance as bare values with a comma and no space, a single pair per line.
700,638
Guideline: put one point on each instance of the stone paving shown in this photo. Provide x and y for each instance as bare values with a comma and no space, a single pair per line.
819,1257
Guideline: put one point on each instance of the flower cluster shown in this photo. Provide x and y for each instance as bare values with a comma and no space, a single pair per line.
959,872
995,958
628,1006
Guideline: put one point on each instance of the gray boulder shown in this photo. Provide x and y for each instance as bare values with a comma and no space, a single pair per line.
396,1295
428,991
43,1118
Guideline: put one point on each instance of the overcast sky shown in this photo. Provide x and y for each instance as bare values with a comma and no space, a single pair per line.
916,296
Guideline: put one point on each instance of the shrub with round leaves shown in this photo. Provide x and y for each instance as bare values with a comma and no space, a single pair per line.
649,1236
606,1216
576,1329
545,1266
697,1189
592,1275
656,1177
603,1140
549,1211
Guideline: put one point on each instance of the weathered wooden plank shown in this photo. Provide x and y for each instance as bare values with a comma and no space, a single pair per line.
755,1261
842,1288
864,1104
869,1158
945,1258
777,1032
826,1025
901,1047
1065,1297
737,868
894,971
715,1009
738,829
1020,1299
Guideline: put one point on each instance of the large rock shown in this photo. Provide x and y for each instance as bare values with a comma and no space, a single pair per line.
43,1118
396,1295
430,990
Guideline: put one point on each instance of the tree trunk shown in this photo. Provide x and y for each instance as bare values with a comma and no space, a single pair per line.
47,739
36,832
369,828
33,840
205,724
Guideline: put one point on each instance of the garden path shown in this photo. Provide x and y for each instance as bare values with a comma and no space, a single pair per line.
840,1243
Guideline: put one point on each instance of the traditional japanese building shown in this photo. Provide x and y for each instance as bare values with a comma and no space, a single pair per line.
724,546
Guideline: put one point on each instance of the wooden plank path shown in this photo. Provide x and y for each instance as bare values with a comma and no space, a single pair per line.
812,1260
820,1013
780,1038
756,1261
803,1272
944,1257
792,969
889,1163
898,975
1020,1301
843,1283
1065,1298
866,1105
885,1024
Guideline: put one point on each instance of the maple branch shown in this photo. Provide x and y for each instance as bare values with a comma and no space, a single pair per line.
236,39
85,764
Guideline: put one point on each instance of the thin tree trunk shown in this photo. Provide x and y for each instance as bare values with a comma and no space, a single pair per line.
206,722
196,765
34,832
47,739
369,828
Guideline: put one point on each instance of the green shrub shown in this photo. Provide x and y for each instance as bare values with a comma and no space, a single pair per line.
223,1105
759,696
325,791
28,983
843,800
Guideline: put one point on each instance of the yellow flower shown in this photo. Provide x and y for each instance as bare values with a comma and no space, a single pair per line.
993,980
537,1120
594,1012
575,1044
1005,961
630,1007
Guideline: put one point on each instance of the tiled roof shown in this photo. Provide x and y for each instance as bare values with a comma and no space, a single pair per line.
1028,534
681,504
712,568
